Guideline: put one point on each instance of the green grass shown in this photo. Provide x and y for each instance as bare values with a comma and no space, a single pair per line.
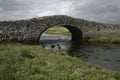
32,62
105,38
58,30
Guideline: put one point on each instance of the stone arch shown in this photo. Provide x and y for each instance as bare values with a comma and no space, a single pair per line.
76,33
30,30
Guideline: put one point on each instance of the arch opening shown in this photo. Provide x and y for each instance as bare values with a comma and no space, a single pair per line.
60,38
74,32
55,34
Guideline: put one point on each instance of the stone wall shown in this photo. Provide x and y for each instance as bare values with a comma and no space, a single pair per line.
31,30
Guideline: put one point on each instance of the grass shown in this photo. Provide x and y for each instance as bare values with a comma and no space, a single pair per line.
58,30
32,62
105,38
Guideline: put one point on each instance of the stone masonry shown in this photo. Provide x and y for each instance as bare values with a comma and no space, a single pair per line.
31,30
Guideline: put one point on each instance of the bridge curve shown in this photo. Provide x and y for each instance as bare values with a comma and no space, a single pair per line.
31,30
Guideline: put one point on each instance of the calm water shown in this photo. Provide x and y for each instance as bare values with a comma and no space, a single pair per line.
103,55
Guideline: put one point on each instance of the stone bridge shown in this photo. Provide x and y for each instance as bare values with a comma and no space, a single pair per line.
31,30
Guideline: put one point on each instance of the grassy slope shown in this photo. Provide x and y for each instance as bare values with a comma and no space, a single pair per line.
32,62
106,38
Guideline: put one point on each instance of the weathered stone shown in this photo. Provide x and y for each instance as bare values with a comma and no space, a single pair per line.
32,29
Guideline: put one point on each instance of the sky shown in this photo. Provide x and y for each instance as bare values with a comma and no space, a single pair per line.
106,11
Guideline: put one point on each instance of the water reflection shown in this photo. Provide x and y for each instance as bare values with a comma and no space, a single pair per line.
56,42
104,55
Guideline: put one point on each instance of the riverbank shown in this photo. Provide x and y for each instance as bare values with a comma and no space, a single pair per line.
104,38
32,62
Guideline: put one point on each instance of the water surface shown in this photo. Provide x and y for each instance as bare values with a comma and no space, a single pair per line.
103,55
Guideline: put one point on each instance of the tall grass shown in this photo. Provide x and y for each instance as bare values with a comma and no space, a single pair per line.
32,62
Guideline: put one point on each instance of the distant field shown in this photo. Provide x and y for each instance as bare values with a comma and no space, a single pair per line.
32,62
105,38
58,30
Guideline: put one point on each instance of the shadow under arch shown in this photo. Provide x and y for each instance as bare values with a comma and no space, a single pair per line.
76,33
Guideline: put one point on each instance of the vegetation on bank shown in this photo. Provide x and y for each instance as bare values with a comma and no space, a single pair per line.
32,62
104,38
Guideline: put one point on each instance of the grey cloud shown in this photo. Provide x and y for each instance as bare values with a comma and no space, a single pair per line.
21,9
98,10
103,11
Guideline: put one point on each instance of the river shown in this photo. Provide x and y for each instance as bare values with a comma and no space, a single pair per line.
99,54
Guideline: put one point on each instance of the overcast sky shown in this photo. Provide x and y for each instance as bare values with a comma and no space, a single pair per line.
107,11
